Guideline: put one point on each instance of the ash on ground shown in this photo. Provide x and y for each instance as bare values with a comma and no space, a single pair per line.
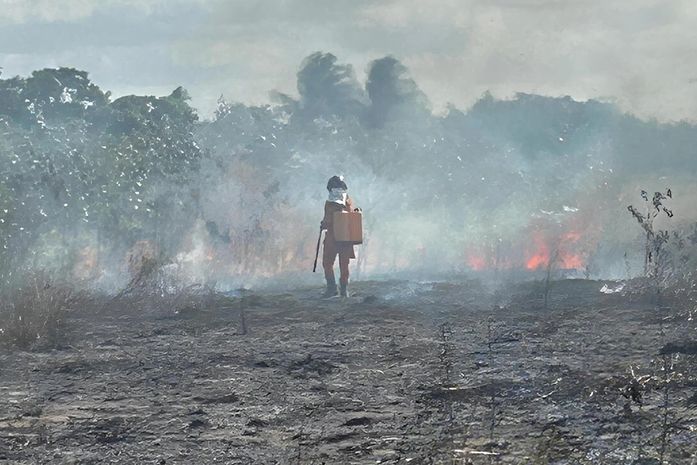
401,372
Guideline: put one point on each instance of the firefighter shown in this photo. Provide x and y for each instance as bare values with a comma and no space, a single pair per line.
338,201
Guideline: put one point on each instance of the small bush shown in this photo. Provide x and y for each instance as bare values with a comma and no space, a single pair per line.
157,286
32,315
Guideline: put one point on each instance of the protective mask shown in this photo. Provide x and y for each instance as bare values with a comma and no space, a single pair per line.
338,195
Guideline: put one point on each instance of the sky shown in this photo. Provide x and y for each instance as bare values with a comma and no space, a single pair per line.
640,54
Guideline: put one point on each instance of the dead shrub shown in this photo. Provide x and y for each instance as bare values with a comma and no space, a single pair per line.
32,315
155,286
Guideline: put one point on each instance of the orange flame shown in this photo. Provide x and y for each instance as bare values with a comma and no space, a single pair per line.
476,262
566,258
570,261
537,261
540,255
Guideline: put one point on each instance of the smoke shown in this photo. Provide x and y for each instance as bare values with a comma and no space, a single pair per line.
96,186
506,184
328,88
392,90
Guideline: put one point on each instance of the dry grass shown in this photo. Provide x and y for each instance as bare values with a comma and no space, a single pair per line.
32,316
152,289
33,312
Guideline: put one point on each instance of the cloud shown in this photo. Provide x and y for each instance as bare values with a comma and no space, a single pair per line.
635,52
640,53
24,11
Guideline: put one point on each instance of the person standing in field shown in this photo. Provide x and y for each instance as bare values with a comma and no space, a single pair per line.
338,201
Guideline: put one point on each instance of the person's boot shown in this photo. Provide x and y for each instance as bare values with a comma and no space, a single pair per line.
331,289
344,290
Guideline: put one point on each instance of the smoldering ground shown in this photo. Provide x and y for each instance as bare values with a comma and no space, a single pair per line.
401,372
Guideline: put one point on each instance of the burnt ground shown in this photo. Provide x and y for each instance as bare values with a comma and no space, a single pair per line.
402,372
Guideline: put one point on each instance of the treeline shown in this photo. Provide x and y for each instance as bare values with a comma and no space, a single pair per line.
91,184
75,163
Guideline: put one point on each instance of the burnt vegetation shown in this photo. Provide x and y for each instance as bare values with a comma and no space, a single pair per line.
509,310
34,314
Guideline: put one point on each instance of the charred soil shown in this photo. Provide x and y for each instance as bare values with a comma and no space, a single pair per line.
401,372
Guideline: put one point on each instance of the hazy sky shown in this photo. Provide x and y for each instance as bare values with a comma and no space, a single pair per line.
639,53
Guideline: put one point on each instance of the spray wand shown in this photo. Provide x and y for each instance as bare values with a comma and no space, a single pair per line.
319,240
